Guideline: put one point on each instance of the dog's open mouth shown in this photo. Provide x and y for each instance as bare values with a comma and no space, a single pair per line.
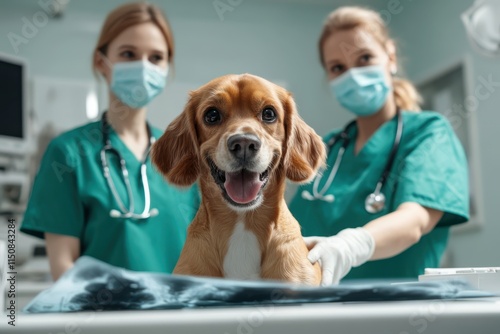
241,188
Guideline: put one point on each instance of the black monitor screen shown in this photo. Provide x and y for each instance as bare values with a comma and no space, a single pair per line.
11,108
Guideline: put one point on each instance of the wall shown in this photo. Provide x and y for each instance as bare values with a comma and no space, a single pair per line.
276,40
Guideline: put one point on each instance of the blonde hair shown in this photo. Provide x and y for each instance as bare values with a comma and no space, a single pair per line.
346,18
129,15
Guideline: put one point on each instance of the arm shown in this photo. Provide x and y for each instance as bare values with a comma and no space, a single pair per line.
401,229
434,167
381,238
63,251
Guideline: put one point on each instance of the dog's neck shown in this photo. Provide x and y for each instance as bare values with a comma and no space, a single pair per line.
242,238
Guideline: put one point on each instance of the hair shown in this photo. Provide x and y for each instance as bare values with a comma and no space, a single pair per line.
129,15
345,18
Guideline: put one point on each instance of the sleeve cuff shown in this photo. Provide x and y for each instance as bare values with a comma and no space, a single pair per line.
39,231
451,215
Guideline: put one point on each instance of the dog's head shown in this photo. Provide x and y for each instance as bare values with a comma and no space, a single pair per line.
238,132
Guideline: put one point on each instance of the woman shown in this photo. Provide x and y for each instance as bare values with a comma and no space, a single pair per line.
73,205
425,185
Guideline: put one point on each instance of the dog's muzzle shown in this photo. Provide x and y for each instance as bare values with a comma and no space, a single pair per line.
242,186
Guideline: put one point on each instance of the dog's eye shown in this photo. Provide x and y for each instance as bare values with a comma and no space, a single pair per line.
268,115
212,116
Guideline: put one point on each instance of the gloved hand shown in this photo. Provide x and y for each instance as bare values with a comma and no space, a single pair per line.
336,255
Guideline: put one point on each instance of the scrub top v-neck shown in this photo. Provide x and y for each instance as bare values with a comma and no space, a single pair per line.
430,168
70,196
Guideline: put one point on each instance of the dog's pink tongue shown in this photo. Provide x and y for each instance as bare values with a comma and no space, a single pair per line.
243,186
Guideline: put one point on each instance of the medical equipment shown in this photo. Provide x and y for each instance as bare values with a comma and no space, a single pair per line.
13,88
375,202
124,212
482,278
481,22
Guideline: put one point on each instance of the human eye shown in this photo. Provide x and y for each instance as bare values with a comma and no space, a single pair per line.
155,59
127,54
337,69
365,58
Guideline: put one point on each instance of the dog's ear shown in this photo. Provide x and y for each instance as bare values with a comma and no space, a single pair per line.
175,153
305,152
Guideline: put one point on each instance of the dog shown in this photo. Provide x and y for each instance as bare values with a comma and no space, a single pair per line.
241,137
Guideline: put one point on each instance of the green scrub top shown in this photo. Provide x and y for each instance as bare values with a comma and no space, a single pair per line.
430,168
71,197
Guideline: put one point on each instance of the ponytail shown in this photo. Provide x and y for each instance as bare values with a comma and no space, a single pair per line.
406,95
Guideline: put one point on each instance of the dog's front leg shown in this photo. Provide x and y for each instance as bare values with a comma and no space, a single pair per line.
288,262
195,259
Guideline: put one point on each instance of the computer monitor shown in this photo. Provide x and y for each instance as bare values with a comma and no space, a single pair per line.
13,106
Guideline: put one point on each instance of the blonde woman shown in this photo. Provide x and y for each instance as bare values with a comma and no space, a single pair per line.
96,192
396,177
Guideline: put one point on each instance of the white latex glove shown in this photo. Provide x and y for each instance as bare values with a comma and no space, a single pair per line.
336,255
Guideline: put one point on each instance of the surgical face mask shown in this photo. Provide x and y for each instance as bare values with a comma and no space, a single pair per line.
137,83
362,90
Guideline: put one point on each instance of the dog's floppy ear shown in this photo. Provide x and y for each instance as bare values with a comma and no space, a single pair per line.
305,152
175,153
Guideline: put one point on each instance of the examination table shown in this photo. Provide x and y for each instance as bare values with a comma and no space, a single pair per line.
94,297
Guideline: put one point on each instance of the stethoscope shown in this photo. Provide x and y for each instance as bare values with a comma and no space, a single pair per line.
124,212
375,202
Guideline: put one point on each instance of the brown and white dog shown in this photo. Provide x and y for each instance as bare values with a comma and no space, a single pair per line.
241,137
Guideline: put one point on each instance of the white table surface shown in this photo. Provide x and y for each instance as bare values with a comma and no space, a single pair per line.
477,316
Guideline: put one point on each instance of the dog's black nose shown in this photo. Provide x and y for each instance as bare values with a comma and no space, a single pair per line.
243,146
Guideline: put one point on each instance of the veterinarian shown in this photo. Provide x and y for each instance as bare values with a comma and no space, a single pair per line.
396,178
96,192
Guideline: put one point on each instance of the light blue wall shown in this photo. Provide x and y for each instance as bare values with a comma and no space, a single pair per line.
273,39
432,37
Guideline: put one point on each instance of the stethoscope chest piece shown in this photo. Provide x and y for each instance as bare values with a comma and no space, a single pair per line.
375,203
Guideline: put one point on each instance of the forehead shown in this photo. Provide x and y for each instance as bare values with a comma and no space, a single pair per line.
145,35
244,92
346,43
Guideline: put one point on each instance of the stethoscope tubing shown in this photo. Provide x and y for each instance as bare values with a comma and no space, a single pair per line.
123,211
345,139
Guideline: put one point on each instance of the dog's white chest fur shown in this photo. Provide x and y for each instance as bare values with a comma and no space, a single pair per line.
243,257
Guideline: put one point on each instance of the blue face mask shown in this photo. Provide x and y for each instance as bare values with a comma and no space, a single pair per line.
137,83
361,90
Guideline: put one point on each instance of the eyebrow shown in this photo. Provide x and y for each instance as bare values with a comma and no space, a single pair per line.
216,98
355,53
129,46
363,50
333,61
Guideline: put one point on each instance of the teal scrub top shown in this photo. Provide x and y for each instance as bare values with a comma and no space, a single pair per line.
430,168
71,197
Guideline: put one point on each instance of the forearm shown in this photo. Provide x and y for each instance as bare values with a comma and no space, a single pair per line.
59,266
399,230
62,252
